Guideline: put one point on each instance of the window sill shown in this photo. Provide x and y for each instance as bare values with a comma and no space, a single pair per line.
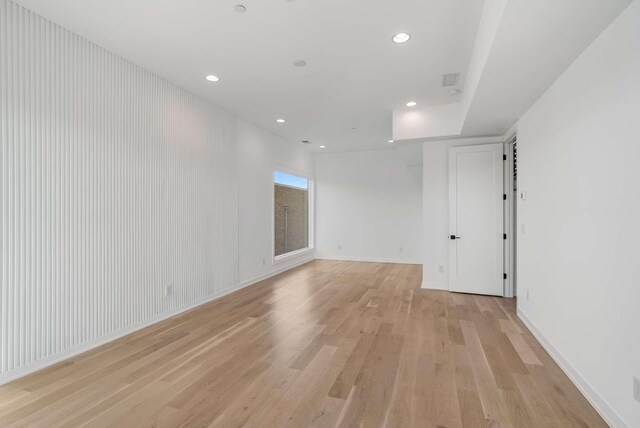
292,255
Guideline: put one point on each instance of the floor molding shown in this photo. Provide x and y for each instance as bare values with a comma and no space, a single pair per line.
283,268
598,403
87,346
367,259
434,286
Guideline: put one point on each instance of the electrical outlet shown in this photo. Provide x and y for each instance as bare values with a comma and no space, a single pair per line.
636,389
339,246
168,290
400,249
441,269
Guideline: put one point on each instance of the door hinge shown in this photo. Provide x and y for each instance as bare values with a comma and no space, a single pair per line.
504,196
504,236
504,157
505,276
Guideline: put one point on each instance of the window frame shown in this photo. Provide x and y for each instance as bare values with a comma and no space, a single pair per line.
310,212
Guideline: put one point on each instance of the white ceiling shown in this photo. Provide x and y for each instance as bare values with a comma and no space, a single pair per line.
522,47
535,43
355,75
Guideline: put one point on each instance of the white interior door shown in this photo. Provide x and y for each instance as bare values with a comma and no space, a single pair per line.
476,242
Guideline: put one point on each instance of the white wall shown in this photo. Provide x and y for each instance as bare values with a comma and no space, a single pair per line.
259,153
578,151
436,121
435,208
369,203
115,183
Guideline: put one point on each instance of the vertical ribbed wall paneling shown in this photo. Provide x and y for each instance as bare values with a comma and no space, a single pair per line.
114,184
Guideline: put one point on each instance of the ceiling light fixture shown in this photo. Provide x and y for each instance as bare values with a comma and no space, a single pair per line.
280,120
401,38
323,147
300,63
212,78
412,104
391,141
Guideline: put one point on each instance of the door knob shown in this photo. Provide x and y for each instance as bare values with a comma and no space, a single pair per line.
454,237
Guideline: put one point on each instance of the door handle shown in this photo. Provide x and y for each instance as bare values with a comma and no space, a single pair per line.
454,237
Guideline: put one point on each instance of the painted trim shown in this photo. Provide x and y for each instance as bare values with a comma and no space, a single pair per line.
87,346
277,271
367,259
434,286
292,255
608,414
509,217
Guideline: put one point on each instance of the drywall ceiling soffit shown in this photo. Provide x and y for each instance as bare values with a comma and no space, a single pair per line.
533,43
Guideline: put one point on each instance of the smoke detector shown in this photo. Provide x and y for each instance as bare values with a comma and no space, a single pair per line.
450,79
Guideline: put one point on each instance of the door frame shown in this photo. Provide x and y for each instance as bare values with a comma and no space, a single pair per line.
509,218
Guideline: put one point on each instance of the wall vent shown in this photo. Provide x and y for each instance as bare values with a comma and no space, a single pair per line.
450,79
306,142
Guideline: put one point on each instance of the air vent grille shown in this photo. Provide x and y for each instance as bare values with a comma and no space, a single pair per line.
306,142
450,79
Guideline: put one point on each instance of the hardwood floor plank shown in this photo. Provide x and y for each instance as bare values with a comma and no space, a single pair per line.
374,383
524,351
344,383
327,344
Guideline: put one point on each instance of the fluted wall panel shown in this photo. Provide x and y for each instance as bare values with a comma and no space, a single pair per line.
114,184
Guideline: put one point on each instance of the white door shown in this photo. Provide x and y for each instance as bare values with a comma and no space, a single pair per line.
476,241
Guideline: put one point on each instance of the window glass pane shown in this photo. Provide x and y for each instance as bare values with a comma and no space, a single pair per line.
291,195
291,180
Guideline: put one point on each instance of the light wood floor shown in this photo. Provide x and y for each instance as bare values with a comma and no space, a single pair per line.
326,344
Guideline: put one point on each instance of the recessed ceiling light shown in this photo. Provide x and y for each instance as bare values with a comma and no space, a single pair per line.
323,147
280,120
454,92
412,104
240,8
401,38
212,78
300,63
391,141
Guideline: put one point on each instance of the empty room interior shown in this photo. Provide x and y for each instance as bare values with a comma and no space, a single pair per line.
319,213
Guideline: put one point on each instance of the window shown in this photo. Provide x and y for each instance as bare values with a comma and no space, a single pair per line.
291,213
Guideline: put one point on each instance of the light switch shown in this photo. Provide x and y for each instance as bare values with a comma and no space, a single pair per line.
523,195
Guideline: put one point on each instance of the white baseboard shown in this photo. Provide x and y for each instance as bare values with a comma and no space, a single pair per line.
434,286
277,271
608,414
367,259
103,340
